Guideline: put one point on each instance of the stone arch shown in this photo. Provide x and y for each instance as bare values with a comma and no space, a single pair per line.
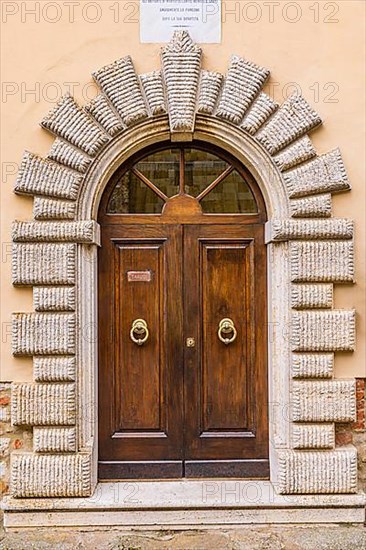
309,252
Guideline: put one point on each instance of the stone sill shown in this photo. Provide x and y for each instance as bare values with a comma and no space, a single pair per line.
183,504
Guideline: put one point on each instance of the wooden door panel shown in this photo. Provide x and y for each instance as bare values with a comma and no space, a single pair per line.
140,386
225,275
140,383
226,422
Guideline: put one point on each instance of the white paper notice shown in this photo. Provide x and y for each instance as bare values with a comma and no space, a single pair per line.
160,18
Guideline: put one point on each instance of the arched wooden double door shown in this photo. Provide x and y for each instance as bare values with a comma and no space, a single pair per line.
182,318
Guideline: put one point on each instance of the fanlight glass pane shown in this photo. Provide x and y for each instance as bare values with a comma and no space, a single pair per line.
132,196
162,169
201,169
232,196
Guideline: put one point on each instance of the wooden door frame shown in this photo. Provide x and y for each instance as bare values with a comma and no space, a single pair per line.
180,211
255,464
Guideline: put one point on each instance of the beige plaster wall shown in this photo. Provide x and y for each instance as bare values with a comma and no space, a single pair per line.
40,60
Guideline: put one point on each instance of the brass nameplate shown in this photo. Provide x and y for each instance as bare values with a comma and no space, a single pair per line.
138,276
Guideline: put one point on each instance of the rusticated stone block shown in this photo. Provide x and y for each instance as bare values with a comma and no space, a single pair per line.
80,232
323,330
120,84
210,86
293,119
54,369
152,84
324,401
322,261
54,298
284,230
317,206
43,404
38,176
64,153
311,472
36,475
300,151
54,440
181,61
100,109
51,209
312,365
313,436
42,264
43,333
325,174
312,296
262,108
68,121
243,82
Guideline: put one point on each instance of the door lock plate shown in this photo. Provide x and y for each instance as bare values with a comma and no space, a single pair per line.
190,342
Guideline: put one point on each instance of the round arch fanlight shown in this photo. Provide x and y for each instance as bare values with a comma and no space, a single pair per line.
196,176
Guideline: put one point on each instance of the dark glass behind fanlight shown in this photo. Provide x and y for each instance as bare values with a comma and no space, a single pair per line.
131,195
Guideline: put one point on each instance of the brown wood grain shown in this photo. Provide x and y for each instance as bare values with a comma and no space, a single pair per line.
166,409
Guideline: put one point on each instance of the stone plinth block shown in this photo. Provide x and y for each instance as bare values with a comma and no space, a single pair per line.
43,264
54,440
120,84
152,84
317,206
79,232
43,404
38,176
312,365
181,61
35,475
210,86
311,472
54,298
300,151
293,119
284,230
43,333
312,296
100,109
333,330
68,155
54,369
322,261
68,121
261,109
325,174
324,401
313,436
243,82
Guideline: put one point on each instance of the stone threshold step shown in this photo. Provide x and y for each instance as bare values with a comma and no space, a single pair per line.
184,505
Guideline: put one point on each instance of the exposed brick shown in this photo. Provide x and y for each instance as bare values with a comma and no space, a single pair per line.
344,438
4,487
13,437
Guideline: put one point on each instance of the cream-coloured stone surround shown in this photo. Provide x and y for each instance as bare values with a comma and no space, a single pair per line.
308,250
